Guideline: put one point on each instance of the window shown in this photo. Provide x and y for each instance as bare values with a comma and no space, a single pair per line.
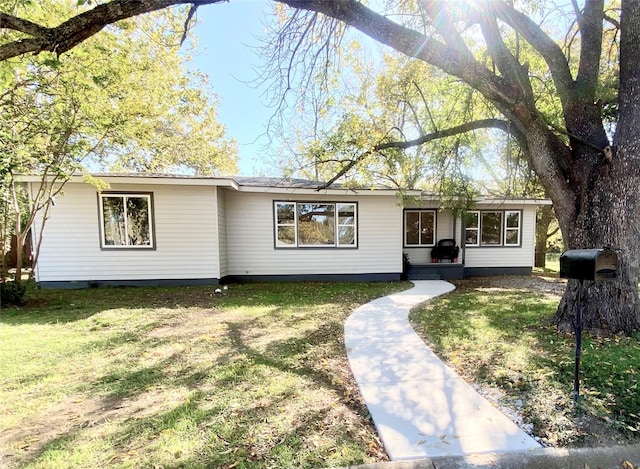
419,227
286,225
492,228
315,224
346,224
126,221
512,228
472,228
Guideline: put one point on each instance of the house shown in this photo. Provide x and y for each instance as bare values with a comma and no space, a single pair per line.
169,230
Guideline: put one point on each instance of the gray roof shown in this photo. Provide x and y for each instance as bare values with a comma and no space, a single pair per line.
290,183
249,181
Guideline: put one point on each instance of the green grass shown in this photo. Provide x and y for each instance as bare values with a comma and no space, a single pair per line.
552,265
152,377
501,337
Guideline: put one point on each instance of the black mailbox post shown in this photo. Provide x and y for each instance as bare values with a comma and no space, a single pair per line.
586,264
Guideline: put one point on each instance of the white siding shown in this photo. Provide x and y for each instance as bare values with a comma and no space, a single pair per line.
251,249
185,237
206,232
507,257
222,233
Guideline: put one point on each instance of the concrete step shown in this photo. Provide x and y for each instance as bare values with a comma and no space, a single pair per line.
435,271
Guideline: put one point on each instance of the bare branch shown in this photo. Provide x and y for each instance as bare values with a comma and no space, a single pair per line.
187,22
614,22
300,57
414,44
426,106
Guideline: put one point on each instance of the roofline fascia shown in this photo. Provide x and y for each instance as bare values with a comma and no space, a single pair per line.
145,180
327,191
504,201
230,182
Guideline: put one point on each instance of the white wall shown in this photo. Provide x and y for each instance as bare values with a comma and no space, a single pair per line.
188,219
503,256
222,233
185,237
250,238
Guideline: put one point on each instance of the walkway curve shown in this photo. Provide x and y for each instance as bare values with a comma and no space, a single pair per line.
420,407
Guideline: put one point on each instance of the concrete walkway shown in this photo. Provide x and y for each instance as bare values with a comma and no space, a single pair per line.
420,407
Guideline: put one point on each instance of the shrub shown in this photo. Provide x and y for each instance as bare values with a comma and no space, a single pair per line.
12,294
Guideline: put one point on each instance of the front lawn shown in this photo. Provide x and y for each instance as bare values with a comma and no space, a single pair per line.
496,332
155,377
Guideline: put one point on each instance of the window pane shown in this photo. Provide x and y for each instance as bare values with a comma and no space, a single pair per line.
286,236
412,227
511,237
471,237
285,214
471,219
346,236
513,219
346,214
316,224
138,231
428,224
113,216
491,228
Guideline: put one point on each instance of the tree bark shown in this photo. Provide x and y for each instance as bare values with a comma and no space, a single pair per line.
545,216
607,219
609,202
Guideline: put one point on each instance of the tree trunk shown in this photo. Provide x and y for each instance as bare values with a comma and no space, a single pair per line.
608,217
609,203
544,218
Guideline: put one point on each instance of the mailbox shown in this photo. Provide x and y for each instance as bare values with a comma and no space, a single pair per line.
589,264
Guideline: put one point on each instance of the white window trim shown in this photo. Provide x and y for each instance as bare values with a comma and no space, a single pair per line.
336,225
504,229
435,226
354,224
147,196
294,224
507,229
476,229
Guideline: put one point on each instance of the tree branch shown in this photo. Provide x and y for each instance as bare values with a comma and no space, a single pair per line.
24,26
72,32
591,25
541,42
403,145
508,65
437,10
414,44
459,129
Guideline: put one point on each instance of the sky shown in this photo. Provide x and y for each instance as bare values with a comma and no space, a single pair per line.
228,34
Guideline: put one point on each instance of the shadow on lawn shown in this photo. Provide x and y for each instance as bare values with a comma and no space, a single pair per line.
227,373
63,306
